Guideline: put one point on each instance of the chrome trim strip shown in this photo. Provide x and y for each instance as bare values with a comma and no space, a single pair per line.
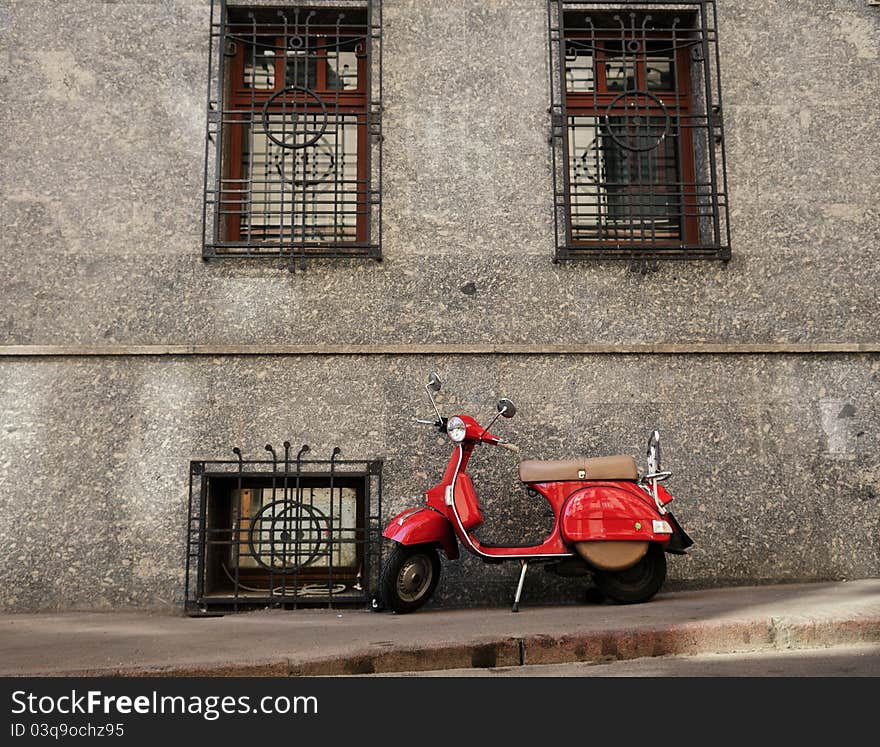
406,514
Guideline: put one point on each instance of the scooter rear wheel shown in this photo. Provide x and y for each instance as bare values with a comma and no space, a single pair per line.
638,583
409,577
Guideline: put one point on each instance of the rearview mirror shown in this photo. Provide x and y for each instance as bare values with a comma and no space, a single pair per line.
506,408
434,382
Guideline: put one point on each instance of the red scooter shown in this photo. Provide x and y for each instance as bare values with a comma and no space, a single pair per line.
608,521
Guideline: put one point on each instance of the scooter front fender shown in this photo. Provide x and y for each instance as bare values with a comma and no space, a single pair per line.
423,526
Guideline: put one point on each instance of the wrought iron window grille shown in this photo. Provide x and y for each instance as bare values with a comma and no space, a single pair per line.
283,531
637,135
293,139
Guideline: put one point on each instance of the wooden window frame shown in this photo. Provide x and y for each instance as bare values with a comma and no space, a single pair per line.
596,104
351,103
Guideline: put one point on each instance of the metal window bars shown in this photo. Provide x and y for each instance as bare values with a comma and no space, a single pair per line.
282,531
639,168
293,140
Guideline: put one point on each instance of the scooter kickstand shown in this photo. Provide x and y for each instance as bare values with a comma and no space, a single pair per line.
519,586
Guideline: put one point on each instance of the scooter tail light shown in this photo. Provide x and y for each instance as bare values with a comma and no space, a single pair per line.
662,527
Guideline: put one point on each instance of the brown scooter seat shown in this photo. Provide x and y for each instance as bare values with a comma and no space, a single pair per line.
598,468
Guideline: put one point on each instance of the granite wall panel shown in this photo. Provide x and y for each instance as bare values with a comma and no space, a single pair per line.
101,164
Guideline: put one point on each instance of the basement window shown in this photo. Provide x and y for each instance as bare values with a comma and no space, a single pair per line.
282,531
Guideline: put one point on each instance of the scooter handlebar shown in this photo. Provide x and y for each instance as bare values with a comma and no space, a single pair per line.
510,447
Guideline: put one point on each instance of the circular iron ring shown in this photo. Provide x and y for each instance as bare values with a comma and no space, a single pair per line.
667,120
294,182
315,135
309,516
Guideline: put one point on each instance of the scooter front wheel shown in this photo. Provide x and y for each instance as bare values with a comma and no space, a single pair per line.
636,584
409,577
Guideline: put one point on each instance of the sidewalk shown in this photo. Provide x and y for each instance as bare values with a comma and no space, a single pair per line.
345,641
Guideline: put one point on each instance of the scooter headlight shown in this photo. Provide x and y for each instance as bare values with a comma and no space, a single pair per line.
456,429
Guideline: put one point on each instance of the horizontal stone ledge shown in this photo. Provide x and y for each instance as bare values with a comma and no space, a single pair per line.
686,348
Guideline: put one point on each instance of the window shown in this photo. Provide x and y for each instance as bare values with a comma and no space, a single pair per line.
283,530
637,133
293,133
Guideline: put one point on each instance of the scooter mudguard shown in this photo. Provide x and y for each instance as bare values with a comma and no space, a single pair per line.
611,511
680,540
423,526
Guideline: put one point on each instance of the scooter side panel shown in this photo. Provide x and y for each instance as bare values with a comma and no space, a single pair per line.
466,502
424,526
609,511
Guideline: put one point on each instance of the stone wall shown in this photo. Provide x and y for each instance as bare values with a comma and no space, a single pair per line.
100,178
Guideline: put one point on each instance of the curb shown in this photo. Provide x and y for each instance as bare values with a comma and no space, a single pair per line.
603,646
720,637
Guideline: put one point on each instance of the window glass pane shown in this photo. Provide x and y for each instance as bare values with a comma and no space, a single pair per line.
623,179
659,66
579,72
585,177
259,67
342,70
301,69
308,192
641,181
620,68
